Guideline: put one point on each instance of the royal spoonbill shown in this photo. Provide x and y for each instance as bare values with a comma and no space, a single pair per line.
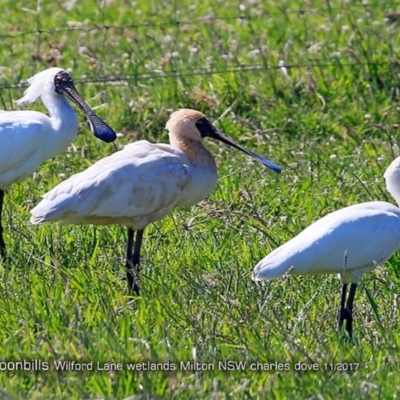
141,183
350,241
28,138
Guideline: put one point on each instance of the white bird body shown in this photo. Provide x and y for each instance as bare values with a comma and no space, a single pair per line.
350,241
134,187
141,183
28,138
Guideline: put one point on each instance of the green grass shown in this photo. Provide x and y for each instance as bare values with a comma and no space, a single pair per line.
61,292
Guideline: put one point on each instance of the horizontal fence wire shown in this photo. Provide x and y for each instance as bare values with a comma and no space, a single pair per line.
173,46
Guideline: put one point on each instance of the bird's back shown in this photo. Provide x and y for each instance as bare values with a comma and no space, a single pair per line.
353,238
22,138
134,186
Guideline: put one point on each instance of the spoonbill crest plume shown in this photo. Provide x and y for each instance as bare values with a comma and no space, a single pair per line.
29,137
351,241
141,183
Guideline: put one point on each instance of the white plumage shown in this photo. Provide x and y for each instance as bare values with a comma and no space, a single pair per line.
28,138
135,186
350,241
141,183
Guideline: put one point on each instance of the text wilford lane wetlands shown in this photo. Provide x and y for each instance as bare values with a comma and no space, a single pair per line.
62,365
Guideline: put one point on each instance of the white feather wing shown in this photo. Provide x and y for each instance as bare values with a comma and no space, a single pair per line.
21,135
354,237
140,181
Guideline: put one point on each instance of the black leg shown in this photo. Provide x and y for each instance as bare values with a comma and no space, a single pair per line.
136,251
342,307
346,309
2,244
129,264
133,260
349,307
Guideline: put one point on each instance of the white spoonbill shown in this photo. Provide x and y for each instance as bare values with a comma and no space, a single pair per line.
350,241
28,138
141,183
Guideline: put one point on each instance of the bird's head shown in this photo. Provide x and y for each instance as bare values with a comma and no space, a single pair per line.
55,82
186,124
41,83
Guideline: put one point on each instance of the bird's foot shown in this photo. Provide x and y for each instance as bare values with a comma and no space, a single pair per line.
133,286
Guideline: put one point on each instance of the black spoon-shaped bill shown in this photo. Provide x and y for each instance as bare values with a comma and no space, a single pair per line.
207,129
268,163
100,129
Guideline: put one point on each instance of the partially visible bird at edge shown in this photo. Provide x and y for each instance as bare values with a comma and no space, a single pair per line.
351,242
28,138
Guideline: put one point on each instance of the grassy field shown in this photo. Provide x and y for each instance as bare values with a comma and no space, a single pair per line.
329,119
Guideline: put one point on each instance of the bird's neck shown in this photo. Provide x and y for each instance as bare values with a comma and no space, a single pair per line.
196,152
394,189
63,117
203,171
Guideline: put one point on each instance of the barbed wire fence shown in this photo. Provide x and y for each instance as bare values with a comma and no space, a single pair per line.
183,43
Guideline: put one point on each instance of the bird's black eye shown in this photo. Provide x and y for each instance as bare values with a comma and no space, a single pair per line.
60,80
205,127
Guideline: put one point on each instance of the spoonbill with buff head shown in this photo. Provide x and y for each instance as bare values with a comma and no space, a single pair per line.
28,138
141,183
351,241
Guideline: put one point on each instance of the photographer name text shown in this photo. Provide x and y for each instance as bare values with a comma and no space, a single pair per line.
61,365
